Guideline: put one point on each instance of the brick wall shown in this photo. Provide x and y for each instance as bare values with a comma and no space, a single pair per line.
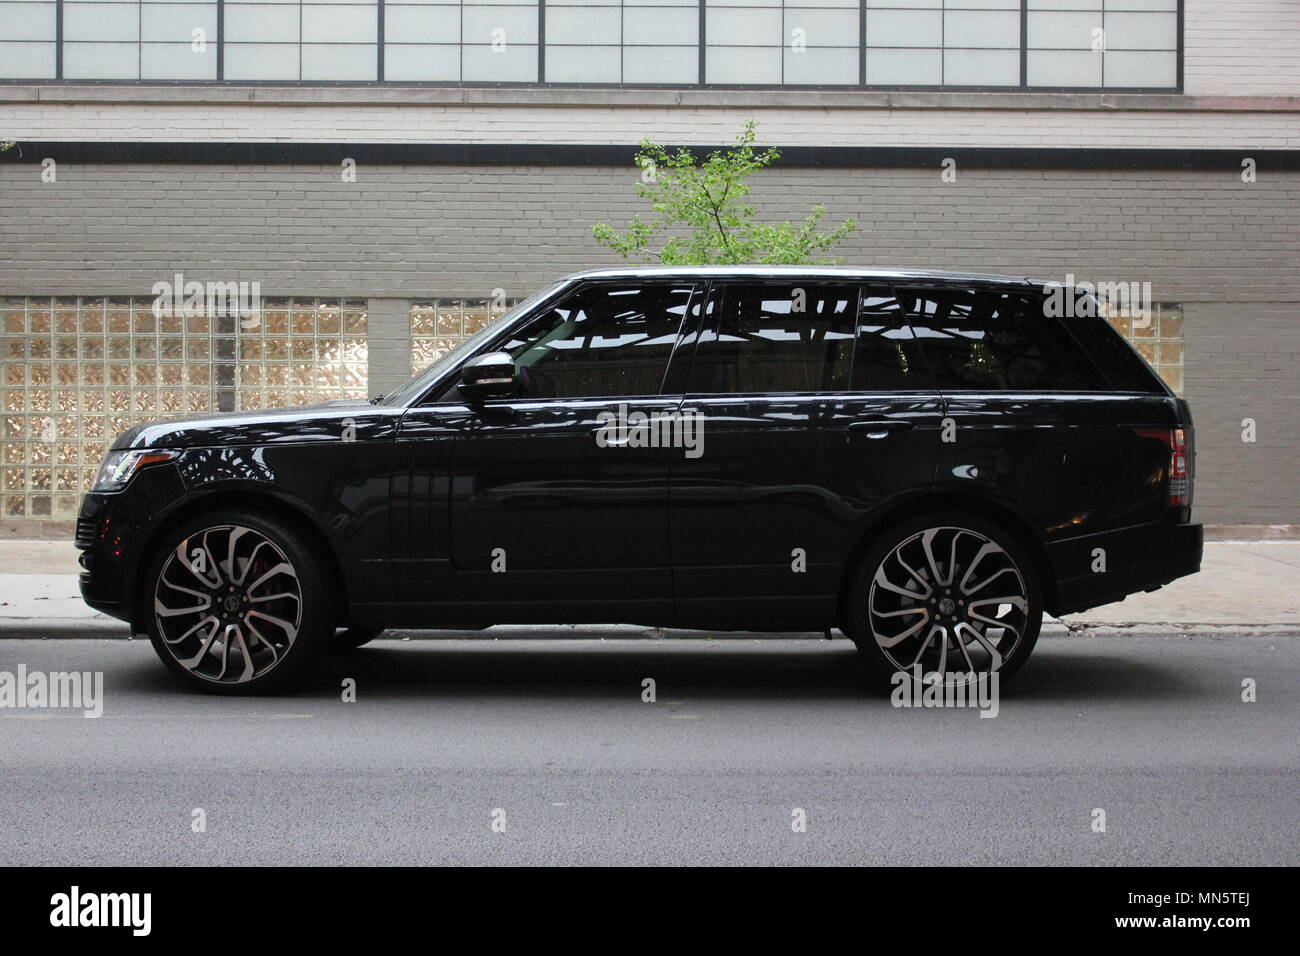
1242,47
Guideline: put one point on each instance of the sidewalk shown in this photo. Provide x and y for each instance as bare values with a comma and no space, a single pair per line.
1252,585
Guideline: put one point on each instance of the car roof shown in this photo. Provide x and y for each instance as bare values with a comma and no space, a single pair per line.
782,272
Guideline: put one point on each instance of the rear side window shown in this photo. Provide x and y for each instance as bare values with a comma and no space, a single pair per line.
986,339
888,356
602,341
795,337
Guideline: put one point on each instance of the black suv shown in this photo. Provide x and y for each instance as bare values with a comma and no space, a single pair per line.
926,461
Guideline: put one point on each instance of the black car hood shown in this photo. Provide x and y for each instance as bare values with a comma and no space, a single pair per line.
325,421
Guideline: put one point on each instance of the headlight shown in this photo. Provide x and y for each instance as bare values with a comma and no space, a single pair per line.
120,466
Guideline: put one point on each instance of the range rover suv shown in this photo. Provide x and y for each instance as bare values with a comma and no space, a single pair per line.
925,461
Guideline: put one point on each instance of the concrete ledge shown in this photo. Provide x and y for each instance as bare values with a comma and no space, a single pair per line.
385,95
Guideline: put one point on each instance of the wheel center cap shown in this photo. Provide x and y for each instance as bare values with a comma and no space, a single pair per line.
947,605
231,603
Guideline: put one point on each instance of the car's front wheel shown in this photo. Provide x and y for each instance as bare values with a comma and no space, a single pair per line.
238,603
945,593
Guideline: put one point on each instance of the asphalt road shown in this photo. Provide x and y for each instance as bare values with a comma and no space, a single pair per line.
1150,729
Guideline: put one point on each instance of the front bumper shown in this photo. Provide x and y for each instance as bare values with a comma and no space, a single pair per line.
113,535
1136,559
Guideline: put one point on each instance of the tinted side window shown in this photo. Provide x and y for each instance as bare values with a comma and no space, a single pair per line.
986,339
601,341
795,337
888,356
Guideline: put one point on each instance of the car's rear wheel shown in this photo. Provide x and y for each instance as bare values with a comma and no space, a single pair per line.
238,603
945,593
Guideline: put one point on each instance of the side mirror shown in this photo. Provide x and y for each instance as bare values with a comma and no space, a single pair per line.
488,376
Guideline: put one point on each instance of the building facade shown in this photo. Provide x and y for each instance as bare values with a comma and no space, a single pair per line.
389,174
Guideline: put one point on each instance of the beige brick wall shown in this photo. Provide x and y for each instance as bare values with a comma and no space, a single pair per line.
1241,47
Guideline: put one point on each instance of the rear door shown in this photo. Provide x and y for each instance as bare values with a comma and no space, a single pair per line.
804,438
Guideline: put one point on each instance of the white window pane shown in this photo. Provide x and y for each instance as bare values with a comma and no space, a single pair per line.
22,61
797,5
822,29
1051,68
981,67
428,24
982,5
1141,31
26,21
517,25
516,64
582,64
1166,6
339,24
813,67
1062,31
176,22
1141,69
667,26
742,64
693,4
177,61
101,61
339,61
914,28
261,61
261,23
100,21
574,26
743,28
656,64
1065,4
982,29
420,61
905,67
905,4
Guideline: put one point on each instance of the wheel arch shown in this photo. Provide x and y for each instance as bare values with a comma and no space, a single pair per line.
243,499
1001,515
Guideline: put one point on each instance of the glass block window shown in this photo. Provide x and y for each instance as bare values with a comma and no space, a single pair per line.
439,325
76,372
1158,338
302,351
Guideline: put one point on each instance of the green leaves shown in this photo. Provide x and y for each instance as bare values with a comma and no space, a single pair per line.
701,216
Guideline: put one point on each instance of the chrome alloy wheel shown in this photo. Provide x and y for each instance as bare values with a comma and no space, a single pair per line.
950,600
228,604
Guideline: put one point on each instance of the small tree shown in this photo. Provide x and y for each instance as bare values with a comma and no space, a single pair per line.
701,207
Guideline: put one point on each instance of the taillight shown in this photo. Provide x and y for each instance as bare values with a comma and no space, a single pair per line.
1180,472
1178,475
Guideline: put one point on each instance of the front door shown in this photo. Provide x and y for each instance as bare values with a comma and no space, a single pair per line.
557,510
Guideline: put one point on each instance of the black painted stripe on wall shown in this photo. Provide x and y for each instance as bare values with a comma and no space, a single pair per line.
576,155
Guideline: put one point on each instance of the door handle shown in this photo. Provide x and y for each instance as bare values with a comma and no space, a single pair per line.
880,428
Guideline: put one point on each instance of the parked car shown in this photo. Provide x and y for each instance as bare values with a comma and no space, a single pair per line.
926,461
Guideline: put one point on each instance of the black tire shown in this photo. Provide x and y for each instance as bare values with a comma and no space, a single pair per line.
1005,640
350,638
269,656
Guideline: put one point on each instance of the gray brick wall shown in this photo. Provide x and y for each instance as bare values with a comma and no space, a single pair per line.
1225,249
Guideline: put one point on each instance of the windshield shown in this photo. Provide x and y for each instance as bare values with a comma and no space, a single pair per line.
417,386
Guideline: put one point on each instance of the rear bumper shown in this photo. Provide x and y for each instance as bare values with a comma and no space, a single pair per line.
1135,559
